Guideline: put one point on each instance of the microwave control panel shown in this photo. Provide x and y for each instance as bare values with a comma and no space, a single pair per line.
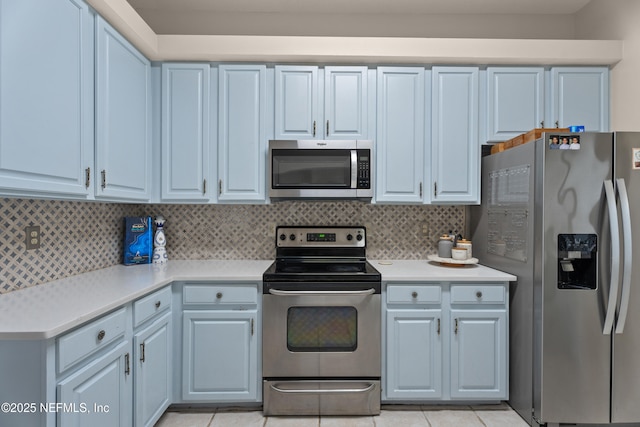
364,169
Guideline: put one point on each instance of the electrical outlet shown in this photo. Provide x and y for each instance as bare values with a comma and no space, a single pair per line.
32,236
425,229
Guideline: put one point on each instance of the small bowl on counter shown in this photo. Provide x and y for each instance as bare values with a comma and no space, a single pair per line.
459,253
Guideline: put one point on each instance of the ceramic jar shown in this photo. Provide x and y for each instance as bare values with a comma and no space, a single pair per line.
463,243
445,244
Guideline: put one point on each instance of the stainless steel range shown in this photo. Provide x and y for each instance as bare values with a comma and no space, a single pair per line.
321,324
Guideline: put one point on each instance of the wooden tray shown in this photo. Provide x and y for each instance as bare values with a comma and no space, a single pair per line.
450,262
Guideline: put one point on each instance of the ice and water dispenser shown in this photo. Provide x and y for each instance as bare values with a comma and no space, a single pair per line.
577,261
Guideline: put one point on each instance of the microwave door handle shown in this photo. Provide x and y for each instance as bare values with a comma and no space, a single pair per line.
615,257
354,168
627,256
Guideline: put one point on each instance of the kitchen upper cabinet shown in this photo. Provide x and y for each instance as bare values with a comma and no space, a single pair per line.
123,118
304,110
455,149
46,98
400,134
346,103
242,133
579,96
187,152
515,101
296,102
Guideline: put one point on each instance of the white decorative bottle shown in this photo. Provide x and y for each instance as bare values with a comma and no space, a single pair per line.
159,242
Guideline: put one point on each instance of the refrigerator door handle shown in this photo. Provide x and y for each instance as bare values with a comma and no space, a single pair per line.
627,256
615,257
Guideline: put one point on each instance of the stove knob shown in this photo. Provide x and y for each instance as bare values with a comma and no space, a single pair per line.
292,236
359,237
282,236
349,237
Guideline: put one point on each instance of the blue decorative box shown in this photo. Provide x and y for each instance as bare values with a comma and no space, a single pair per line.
138,241
576,128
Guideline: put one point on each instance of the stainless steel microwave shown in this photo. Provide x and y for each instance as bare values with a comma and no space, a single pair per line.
320,169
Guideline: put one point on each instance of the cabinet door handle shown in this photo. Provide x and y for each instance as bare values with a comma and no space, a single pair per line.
103,173
455,331
87,177
219,295
101,335
414,294
557,123
251,327
542,124
127,368
479,294
327,128
314,128
204,187
219,187
158,303
438,326
142,352
421,189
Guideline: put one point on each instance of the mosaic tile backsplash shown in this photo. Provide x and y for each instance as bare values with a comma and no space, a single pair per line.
83,236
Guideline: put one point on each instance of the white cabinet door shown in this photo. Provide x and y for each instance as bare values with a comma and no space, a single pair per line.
580,96
455,149
153,370
296,103
400,134
479,366
100,392
186,146
220,356
515,101
414,354
346,103
242,136
123,118
46,98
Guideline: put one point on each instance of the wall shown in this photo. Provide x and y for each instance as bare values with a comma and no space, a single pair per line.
82,236
606,19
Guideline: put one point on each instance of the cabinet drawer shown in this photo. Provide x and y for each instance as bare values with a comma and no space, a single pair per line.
220,294
147,307
78,344
408,294
477,294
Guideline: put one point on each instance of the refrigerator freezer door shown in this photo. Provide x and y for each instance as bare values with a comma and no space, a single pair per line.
626,350
572,374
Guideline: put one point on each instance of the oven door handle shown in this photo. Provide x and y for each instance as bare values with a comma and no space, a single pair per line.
329,391
278,292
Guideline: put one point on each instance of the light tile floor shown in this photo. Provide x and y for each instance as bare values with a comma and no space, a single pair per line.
391,416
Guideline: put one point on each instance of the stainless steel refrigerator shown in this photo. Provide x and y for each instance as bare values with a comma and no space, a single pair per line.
565,220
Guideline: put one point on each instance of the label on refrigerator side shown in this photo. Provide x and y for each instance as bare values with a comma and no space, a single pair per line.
636,158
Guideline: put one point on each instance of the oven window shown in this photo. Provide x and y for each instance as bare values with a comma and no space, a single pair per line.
311,169
322,329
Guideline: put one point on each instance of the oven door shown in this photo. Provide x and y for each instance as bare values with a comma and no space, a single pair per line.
321,334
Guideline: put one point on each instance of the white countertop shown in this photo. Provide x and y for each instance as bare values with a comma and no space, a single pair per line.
423,270
45,311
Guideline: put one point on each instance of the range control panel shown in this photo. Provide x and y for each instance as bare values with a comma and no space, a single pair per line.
300,237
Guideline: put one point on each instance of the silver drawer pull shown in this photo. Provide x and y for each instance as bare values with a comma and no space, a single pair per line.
219,295
320,293
101,334
332,391
479,294
414,294
158,304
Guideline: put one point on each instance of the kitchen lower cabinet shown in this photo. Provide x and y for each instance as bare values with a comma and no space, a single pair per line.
445,342
220,338
414,354
478,354
153,367
98,394
220,356
123,118
46,102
